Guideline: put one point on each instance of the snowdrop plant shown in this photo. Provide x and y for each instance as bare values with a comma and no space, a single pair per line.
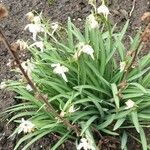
88,96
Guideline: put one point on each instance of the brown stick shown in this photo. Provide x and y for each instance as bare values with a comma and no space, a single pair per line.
132,61
35,89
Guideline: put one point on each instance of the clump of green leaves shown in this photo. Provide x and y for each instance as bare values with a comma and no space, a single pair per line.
91,80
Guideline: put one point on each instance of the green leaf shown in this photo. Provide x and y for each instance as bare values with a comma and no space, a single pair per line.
108,121
109,132
26,137
120,48
100,109
139,86
134,116
122,33
123,114
92,88
143,139
135,41
87,124
37,137
115,92
77,33
141,73
30,113
124,140
130,96
82,114
70,35
118,123
61,141
97,73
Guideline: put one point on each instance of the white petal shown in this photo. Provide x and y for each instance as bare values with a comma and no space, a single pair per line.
3,85
34,36
64,77
92,21
29,88
38,44
103,9
129,104
37,20
80,146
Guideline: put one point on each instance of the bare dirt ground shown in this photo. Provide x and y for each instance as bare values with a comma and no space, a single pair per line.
59,11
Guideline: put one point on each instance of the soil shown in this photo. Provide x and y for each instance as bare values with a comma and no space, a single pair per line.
59,10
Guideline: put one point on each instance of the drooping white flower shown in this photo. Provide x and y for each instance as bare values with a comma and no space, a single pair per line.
83,48
84,144
122,66
91,20
22,44
28,87
26,126
129,104
103,9
54,26
34,29
87,49
60,70
39,44
3,85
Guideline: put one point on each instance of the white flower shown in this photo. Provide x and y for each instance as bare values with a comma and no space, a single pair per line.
29,88
34,29
88,50
54,26
92,21
103,9
39,44
61,70
3,85
22,44
72,109
84,144
26,126
129,104
122,66
84,48
37,20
